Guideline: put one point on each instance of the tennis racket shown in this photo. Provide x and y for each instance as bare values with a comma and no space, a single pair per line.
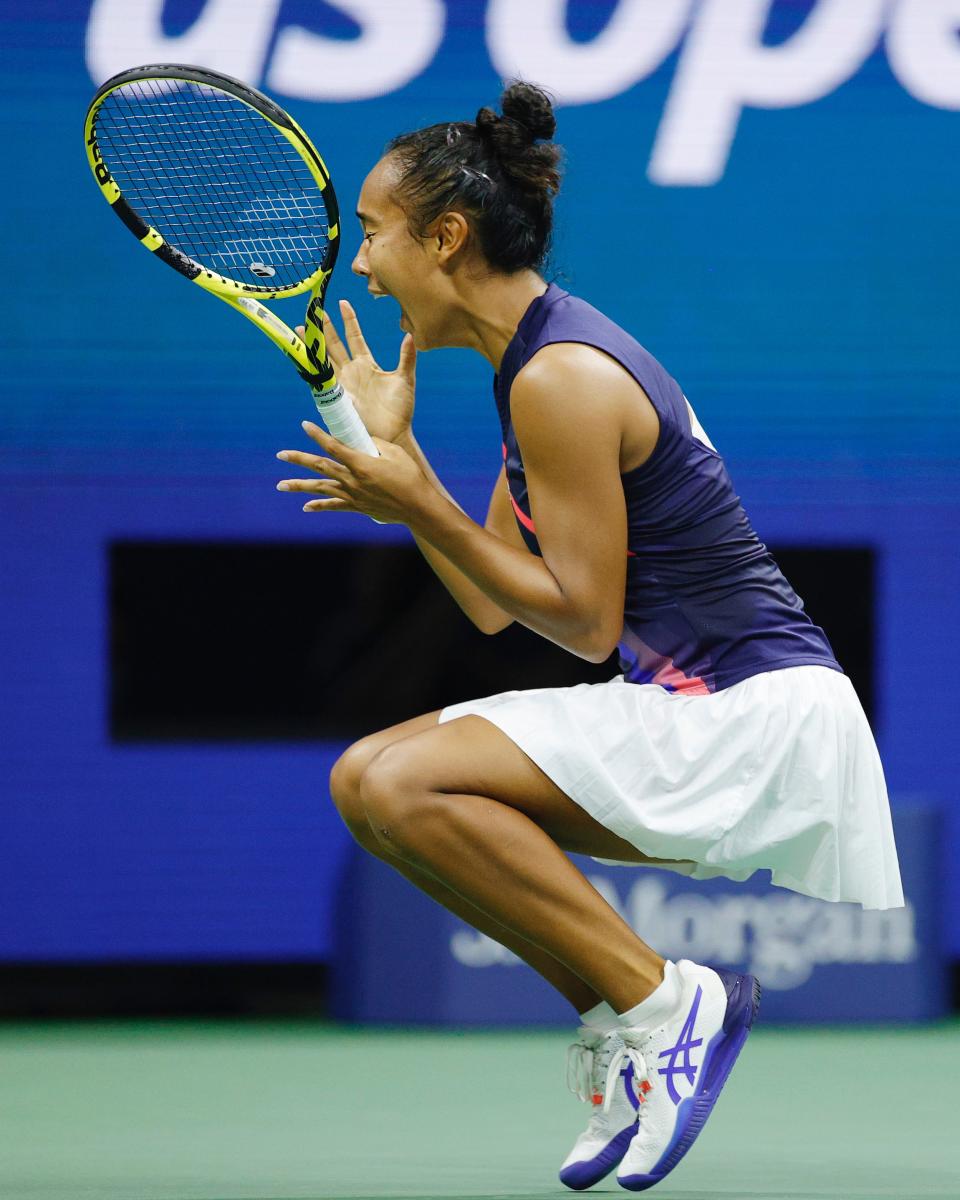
222,185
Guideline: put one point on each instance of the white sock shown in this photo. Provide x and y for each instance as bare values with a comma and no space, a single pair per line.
662,1002
601,1018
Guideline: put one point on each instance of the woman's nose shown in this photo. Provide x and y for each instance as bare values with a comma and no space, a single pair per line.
359,264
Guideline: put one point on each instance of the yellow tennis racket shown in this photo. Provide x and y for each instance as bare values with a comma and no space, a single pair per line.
222,185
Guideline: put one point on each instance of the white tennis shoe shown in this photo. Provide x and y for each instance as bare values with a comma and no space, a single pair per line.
680,1066
614,1104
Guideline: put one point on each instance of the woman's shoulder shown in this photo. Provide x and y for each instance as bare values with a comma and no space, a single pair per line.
567,317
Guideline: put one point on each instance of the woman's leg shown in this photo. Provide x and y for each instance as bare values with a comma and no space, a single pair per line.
345,789
463,805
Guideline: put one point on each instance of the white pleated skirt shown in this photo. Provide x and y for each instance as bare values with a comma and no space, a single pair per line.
779,772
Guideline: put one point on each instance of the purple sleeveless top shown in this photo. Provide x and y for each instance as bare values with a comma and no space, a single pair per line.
706,606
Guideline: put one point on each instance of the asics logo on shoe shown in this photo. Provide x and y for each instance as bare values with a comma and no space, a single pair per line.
685,1043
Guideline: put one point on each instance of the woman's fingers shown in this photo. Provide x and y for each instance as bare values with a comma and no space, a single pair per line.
314,462
328,505
333,474
351,327
323,487
407,366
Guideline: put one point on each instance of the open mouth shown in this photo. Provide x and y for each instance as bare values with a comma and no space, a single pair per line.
378,294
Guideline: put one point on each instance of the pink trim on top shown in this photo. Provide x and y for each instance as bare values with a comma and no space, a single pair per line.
525,521
672,677
664,670
522,517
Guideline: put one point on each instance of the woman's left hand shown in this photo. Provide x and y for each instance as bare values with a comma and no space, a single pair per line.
391,489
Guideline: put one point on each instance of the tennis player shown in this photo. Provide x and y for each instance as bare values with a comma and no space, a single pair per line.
732,740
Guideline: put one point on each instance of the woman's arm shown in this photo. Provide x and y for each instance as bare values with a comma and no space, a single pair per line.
572,409
574,594
485,613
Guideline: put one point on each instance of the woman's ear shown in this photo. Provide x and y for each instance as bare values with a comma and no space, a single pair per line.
451,235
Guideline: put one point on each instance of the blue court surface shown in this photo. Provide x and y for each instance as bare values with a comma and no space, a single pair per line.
277,1111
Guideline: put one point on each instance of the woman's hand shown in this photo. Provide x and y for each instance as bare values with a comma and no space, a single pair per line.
392,489
384,399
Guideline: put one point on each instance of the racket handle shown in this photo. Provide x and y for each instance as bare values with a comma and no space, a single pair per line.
336,408
337,412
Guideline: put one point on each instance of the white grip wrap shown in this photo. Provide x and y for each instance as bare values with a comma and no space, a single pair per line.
336,408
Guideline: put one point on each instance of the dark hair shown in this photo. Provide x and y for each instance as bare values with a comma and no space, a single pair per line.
500,171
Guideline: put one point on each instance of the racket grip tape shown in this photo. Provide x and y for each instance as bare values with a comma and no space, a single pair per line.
336,408
337,412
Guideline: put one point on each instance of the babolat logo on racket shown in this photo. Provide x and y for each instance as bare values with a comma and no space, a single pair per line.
100,168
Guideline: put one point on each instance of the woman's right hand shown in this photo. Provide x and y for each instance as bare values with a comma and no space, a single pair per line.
384,399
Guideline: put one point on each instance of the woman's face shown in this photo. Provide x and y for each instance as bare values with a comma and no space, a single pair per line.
395,263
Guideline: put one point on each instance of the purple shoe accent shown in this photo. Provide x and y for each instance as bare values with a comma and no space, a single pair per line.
685,1044
585,1174
629,1087
743,1000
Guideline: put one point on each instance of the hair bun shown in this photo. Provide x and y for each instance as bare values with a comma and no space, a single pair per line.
530,107
527,118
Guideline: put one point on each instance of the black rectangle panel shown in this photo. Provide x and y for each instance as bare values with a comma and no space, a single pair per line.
228,641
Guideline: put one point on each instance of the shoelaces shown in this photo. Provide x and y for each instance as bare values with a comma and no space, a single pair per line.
587,1061
625,1053
594,1063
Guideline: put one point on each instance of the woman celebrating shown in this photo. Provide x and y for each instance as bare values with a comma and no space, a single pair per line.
731,742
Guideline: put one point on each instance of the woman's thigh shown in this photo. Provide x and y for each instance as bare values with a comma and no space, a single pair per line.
472,756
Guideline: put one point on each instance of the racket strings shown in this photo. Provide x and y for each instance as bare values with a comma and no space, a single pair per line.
237,166
216,179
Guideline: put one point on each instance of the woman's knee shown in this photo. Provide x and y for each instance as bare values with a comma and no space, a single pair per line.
345,786
397,806
349,768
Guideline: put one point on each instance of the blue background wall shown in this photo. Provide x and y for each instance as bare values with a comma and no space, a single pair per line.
802,289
